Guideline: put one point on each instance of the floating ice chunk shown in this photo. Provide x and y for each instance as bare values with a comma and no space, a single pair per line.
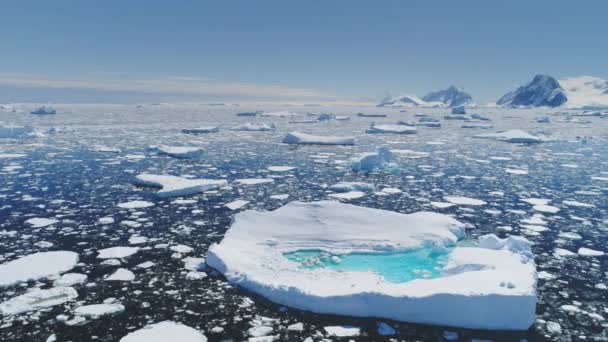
348,195
69,279
372,160
94,311
105,149
39,222
476,125
16,132
281,168
308,139
578,204
544,208
183,249
461,200
182,152
280,197
121,274
248,113
516,244
106,220
364,115
393,129
173,186
589,252
201,130
516,171
384,329
512,136
252,127
254,181
36,266
135,204
352,186
116,252
165,331
44,110
280,114
342,331
442,205
37,299
234,205
563,253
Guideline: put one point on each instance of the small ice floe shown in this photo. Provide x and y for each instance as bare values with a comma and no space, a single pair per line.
384,329
173,186
476,126
16,132
40,222
36,266
578,204
37,300
442,205
201,130
106,220
461,200
280,114
121,274
135,205
182,152
280,168
308,139
348,195
69,279
94,311
280,197
584,251
342,331
513,136
352,186
516,171
462,117
459,110
391,129
165,331
44,110
372,160
428,122
235,205
480,117
116,252
254,181
254,127
363,115
541,205
248,113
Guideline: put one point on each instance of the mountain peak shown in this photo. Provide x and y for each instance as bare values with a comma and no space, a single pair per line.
543,90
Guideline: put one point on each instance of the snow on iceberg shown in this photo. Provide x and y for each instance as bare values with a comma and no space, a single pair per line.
495,287
183,152
44,110
37,299
36,266
513,136
201,130
173,186
165,331
309,139
16,132
253,127
393,129
371,160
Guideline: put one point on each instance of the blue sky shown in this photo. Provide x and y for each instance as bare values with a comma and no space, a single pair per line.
307,51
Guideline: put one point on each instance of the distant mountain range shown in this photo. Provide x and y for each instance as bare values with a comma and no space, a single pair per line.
541,91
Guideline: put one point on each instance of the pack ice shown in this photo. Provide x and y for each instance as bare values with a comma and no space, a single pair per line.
172,186
494,283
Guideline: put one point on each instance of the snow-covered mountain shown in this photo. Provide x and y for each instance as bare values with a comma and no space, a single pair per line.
543,90
408,101
451,97
586,91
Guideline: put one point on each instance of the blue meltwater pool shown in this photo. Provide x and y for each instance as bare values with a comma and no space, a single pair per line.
395,267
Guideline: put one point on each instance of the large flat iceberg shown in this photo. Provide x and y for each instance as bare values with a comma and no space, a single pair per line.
495,286
36,266
172,186
309,139
513,136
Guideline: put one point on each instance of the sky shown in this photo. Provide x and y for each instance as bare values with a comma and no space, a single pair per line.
296,51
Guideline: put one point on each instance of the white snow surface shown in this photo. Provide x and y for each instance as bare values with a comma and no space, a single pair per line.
172,186
585,91
36,266
309,139
165,331
495,287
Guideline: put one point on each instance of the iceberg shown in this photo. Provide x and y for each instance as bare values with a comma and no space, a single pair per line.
182,152
173,186
495,286
44,110
253,127
201,130
392,129
36,266
309,139
512,136
371,160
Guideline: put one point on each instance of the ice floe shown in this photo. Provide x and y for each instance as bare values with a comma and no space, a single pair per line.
372,160
94,311
40,222
183,152
38,299
308,139
201,130
392,129
253,127
173,186
116,252
513,136
251,255
135,205
36,266
165,331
